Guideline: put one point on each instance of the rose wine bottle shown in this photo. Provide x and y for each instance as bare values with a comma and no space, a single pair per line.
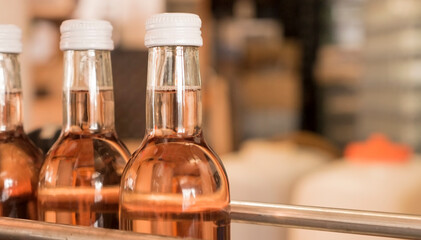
20,159
174,184
79,181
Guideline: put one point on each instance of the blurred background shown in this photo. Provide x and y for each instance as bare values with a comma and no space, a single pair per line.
341,69
288,87
269,67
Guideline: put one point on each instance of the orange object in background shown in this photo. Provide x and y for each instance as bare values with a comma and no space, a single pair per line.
378,148
374,175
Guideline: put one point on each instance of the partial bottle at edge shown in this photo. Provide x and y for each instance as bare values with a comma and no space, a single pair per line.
20,159
79,181
174,184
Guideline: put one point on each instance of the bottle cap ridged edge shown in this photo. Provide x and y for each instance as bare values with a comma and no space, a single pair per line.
169,29
10,39
78,34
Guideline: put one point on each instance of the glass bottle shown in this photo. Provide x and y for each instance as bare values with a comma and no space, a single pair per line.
79,181
20,159
174,184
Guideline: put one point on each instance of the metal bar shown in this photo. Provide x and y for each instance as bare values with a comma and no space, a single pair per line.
19,229
328,219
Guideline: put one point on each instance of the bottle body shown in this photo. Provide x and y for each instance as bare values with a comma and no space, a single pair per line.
79,181
174,184
86,169
179,190
19,168
20,159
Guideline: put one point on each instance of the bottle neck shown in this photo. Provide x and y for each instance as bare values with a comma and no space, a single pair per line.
173,101
88,99
10,93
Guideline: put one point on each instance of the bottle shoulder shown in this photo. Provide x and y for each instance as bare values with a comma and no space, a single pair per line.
73,145
84,160
175,150
18,143
20,161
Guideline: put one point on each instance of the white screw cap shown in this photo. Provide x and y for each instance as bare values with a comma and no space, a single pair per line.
173,29
77,34
10,39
